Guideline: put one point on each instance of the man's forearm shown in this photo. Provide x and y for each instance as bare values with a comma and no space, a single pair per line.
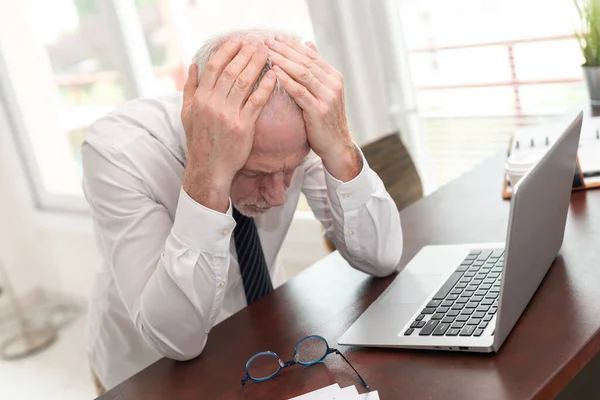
344,163
206,186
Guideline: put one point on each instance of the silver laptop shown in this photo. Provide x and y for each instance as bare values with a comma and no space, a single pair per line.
468,297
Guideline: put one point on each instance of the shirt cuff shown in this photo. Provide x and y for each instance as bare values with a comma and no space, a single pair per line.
202,228
355,193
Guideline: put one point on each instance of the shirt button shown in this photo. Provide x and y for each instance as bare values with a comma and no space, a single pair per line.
225,232
346,195
221,284
349,231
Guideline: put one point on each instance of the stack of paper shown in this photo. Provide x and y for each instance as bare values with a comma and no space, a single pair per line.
539,137
334,392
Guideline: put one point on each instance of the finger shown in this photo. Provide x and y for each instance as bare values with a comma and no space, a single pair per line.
191,84
311,45
259,98
298,92
299,54
302,75
297,46
295,51
234,68
218,62
280,58
243,85
307,51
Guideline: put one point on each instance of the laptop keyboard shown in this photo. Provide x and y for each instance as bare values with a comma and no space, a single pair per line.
468,300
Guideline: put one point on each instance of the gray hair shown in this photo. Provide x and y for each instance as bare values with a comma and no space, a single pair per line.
210,47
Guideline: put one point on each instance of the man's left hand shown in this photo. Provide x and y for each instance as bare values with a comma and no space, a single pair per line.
319,90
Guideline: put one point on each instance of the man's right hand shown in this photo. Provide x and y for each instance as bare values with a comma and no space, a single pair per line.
219,115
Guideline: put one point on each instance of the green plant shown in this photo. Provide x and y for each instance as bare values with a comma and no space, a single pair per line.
589,36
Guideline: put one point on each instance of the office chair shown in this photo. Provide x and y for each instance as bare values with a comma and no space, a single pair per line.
388,157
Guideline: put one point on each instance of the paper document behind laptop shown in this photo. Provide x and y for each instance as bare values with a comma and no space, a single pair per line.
540,136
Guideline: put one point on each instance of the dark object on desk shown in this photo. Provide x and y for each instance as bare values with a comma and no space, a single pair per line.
390,159
591,174
555,339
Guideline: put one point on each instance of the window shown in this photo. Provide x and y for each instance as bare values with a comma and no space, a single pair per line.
481,69
68,62
64,73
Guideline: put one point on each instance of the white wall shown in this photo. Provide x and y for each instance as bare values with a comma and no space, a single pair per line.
21,245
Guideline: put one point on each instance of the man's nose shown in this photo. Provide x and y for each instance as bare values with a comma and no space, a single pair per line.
274,189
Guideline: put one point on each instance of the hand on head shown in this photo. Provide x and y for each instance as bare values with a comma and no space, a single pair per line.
220,114
318,88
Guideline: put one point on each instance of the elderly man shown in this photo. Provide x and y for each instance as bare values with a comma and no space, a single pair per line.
192,196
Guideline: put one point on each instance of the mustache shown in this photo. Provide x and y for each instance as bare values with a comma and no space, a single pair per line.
259,203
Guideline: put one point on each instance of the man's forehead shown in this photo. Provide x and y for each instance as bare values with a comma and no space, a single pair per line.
280,128
271,163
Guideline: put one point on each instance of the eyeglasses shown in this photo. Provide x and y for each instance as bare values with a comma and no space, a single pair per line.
310,350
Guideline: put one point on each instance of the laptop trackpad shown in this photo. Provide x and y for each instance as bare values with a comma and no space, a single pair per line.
411,288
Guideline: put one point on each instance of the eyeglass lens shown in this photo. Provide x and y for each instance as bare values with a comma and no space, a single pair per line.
263,366
311,350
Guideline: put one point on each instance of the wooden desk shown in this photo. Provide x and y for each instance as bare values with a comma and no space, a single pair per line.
555,338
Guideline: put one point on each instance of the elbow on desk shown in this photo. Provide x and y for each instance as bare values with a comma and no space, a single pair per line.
178,346
185,354
385,264
389,257
388,265
389,250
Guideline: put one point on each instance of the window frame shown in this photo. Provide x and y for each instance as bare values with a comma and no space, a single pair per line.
42,199
139,81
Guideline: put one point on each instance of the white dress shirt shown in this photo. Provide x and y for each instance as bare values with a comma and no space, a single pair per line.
171,270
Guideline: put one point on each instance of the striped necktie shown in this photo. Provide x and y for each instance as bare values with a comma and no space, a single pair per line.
253,267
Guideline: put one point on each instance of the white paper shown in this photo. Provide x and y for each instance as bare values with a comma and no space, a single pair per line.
334,392
326,393
347,393
369,396
539,137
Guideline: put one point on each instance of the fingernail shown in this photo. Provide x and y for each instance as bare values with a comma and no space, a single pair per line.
278,37
270,42
262,50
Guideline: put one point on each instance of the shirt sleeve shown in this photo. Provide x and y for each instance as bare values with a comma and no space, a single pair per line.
359,216
170,274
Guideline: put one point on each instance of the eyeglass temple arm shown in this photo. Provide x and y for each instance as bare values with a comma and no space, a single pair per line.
354,369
